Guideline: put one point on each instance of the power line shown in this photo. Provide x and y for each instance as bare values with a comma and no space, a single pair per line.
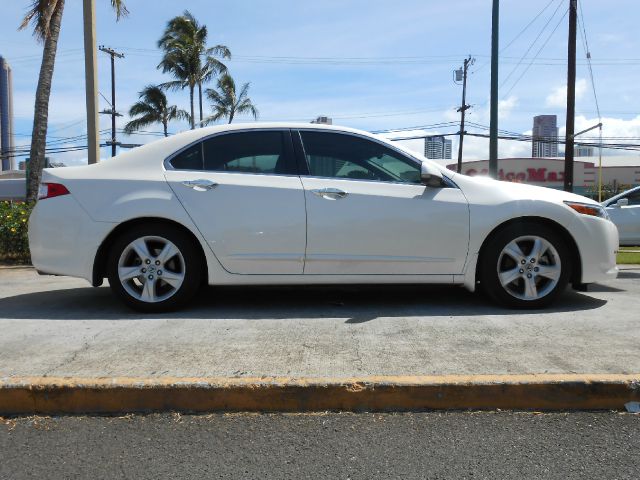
587,52
535,40
536,55
518,35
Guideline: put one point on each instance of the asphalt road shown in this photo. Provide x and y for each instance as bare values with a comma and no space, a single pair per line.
433,445
57,326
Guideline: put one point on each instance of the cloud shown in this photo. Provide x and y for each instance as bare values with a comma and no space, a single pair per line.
482,112
558,97
627,131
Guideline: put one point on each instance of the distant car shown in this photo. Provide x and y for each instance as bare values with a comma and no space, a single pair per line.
273,204
624,210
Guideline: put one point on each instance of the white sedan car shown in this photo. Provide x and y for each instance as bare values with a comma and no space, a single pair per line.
271,204
624,210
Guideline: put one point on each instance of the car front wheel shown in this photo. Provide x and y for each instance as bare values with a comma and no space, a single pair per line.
525,266
154,268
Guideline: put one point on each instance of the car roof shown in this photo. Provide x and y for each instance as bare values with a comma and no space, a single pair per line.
150,154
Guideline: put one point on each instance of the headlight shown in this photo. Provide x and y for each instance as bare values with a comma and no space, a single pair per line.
588,209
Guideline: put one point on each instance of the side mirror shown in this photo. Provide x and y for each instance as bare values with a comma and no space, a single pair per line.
623,202
430,176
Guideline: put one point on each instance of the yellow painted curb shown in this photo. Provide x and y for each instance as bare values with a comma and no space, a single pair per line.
47,395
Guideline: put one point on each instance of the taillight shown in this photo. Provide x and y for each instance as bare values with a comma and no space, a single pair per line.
50,190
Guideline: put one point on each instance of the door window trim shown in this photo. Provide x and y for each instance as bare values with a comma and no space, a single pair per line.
305,170
288,150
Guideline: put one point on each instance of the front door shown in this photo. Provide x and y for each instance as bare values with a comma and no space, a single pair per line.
368,213
242,191
627,219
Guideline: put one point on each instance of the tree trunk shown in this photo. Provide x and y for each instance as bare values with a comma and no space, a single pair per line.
41,109
164,125
231,114
193,119
200,100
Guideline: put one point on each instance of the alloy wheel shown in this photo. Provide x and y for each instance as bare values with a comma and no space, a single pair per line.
151,269
529,268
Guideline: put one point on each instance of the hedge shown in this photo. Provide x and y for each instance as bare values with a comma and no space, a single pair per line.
14,244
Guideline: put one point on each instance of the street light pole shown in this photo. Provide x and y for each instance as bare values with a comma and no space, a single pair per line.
91,79
493,124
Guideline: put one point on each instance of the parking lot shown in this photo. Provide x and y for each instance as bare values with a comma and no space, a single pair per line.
57,326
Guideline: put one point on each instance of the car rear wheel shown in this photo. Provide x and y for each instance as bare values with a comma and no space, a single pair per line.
154,268
525,266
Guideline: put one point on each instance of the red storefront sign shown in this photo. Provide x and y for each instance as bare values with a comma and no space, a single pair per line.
538,175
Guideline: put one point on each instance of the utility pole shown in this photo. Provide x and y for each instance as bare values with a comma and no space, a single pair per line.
493,123
464,107
113,54
571,97
91,78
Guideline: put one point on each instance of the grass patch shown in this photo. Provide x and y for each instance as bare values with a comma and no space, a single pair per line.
629,255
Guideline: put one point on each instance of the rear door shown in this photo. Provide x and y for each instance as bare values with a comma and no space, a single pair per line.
243,192
368,212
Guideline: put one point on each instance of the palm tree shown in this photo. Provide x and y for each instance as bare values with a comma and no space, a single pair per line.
188,58
226,104
46,17
153,108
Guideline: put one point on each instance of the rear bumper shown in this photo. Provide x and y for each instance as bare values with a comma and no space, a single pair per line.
63,239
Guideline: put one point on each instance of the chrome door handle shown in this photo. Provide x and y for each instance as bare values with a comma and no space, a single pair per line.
330,193
200,185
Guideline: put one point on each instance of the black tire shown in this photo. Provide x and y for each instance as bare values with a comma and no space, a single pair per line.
492,254
190,267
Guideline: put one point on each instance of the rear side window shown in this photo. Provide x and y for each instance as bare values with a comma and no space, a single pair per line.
188,159
262,152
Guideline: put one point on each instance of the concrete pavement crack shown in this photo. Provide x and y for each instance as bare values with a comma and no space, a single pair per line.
358,359
85,346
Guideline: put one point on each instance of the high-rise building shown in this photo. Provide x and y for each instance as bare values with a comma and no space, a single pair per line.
545,136
7,161
437,148
582,151
324,120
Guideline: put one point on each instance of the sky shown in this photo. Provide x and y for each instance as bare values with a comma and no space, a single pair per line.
373,65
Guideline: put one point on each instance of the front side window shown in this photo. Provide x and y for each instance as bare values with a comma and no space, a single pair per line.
346,156
634,198
262,152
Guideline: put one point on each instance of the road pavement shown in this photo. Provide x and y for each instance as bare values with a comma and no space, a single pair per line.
453,445
62,327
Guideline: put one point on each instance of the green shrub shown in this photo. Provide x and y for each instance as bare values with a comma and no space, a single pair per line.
14,245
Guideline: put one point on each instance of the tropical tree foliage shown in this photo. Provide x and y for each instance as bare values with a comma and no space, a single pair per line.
188,59
45,16
226,103
153,108
14,243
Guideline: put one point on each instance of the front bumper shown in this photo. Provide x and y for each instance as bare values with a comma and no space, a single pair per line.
598,246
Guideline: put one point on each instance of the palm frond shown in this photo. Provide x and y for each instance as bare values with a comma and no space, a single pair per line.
219,51
173,85
141,122
247,107
244,92
39,14
120,9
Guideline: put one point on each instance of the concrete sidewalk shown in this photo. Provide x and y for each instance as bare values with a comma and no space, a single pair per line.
61,327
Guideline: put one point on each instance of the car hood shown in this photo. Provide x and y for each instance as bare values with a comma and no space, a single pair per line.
519,191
